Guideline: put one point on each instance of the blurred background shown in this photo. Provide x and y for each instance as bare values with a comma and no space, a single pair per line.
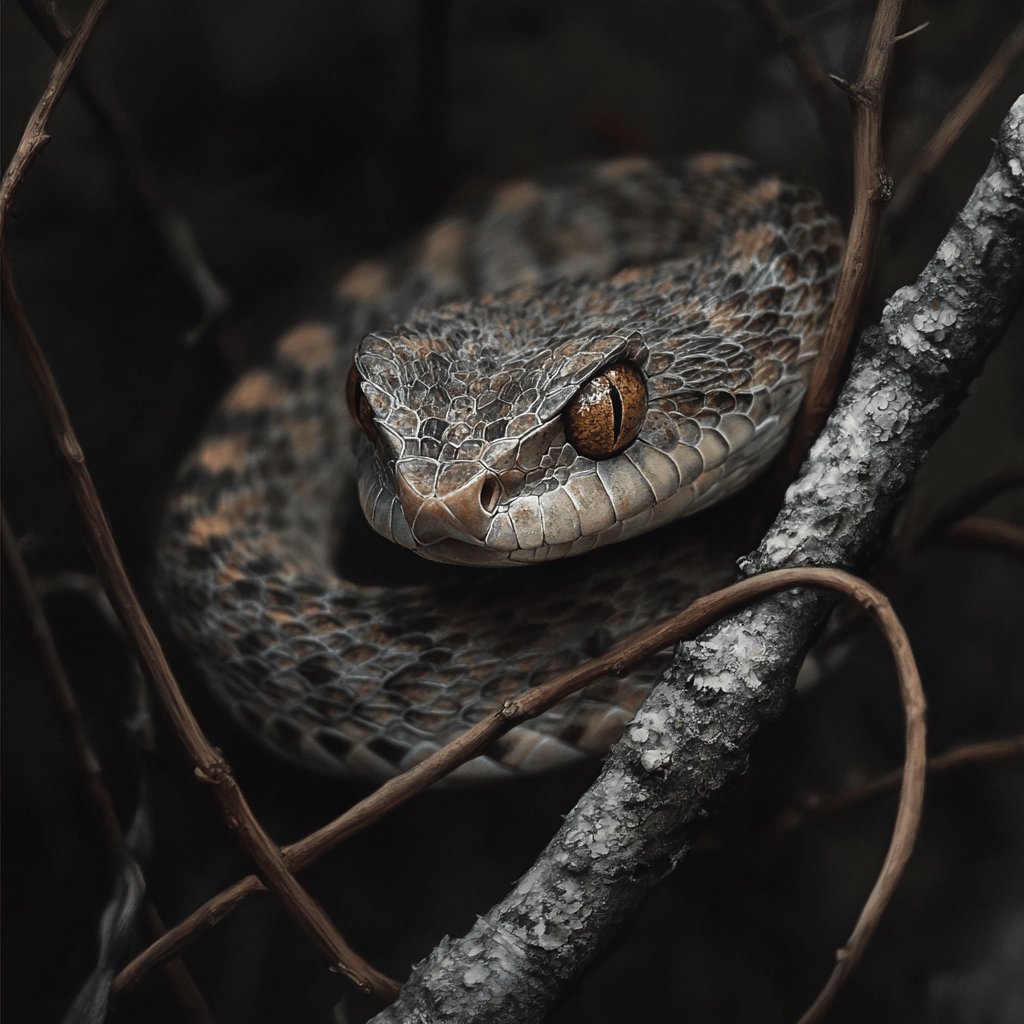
294,137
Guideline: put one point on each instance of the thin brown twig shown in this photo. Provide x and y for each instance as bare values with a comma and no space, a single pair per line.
89,764
872,186
60,685
955,122
987,531
209,766
35,135
908,814
968,503
817,804
618,661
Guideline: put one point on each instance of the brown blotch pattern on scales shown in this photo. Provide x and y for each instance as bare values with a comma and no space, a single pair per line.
710,278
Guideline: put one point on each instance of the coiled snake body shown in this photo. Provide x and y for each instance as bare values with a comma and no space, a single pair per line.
563,364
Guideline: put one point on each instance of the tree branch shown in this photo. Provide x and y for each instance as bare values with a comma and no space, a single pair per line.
692,734
392,794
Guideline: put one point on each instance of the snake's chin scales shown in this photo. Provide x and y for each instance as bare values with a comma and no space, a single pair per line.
574,362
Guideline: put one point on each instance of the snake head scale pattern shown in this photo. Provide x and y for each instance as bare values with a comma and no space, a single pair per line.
554,367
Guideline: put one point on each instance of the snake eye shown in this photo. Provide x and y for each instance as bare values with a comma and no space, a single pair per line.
358,405
606,415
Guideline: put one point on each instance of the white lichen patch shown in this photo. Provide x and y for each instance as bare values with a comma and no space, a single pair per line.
652,730
563,917
621,789
840,451
527,883
934,321
652,760
596,835
648,724
476,975
912,339
886,409
735,653
837,462
948,252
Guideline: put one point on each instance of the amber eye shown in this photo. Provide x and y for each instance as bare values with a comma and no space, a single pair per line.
358,405
607,413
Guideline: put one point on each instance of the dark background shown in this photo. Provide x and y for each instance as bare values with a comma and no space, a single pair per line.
294,136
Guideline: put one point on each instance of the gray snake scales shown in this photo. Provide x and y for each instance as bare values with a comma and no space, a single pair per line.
560,364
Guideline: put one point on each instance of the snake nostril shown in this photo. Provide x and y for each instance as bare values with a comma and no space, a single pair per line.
489,494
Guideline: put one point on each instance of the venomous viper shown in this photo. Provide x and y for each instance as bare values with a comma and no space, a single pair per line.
561,364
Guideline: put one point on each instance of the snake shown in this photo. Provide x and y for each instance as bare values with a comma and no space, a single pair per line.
532,395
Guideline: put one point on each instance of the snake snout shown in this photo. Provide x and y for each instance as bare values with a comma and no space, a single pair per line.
454,502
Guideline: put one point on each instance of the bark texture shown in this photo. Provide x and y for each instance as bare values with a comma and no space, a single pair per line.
693,733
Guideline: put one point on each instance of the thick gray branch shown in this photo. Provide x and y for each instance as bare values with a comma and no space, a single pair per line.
692,734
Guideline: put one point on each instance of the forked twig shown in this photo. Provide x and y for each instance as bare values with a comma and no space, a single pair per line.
57,678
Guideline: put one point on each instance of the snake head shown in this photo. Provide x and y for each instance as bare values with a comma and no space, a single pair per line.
482,446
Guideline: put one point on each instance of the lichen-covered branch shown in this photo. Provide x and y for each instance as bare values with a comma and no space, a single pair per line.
692,734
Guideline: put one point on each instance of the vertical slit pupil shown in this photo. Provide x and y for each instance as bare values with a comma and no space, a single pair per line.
616,398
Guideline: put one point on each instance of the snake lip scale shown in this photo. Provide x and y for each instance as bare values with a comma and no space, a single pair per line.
563,365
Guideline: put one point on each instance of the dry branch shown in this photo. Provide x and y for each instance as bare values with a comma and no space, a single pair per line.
209,766
88,763
618,661
170,227
817,805
692,734
36,134
987,531
872,186
968,504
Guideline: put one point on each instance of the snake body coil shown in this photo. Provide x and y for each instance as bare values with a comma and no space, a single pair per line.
682,300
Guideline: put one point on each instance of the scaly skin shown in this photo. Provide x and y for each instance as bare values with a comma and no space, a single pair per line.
712,279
